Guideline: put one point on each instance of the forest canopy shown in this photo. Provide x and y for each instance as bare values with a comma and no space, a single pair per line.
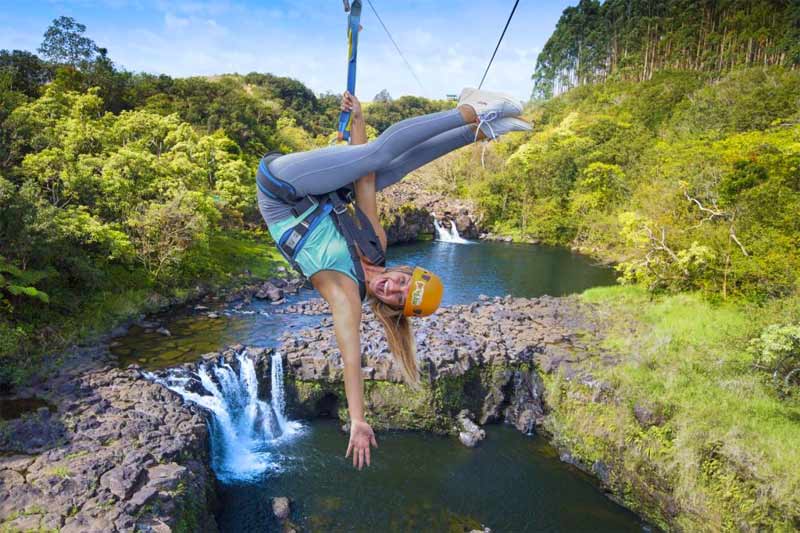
634,39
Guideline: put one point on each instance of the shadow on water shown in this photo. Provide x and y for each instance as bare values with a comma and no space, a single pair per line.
11,408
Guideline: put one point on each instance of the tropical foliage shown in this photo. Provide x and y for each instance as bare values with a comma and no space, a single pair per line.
114,183
688,182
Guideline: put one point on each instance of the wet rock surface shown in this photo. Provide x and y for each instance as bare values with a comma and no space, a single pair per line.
117,454
280,507
470,434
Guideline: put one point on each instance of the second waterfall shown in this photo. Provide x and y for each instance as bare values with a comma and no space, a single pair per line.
243,427
445,235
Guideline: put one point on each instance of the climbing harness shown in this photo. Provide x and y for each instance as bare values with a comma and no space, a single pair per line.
353,24
353,224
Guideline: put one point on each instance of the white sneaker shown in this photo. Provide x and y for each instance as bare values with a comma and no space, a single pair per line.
494,129
485,102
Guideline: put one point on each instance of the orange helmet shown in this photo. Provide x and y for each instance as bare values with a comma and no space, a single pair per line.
424,293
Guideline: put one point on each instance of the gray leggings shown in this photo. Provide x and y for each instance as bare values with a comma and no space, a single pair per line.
403,147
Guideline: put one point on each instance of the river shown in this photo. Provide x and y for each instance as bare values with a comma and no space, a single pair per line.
418,482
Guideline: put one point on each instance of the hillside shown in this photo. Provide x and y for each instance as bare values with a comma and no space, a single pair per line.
634,39
689,181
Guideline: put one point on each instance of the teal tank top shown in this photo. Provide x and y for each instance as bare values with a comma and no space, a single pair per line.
325,248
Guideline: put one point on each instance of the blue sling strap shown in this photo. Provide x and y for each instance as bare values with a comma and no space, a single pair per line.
353,25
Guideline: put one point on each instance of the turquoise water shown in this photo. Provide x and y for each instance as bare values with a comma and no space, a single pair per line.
423,482
497,269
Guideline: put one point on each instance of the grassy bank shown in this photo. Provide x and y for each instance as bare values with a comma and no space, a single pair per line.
686,431
231,258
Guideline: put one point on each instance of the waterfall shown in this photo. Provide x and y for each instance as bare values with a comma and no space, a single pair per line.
243,428
278,399
443,235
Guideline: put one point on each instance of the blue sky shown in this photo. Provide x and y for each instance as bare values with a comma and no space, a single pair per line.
448,42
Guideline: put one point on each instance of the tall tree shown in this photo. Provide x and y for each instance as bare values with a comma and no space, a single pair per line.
65,43
383,96
634,39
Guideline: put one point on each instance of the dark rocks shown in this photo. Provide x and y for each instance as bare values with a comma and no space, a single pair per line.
314,306
121,480
407,210
526,409
487,355
33,433
268,291
495,237
280,507
120,453
648,415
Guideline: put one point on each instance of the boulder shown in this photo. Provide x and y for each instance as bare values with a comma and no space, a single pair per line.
470,434
121,480
280,507
270,292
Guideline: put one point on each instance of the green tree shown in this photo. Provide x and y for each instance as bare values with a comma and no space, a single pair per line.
64,43
27,73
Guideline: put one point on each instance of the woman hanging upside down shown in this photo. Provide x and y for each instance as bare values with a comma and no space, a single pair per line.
308,218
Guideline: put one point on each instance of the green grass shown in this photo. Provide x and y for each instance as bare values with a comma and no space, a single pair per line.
60,471
729,445
236,251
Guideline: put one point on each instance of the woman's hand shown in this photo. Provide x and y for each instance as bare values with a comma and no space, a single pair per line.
361,436
350,103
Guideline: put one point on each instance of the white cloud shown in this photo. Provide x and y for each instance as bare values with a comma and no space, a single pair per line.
448,48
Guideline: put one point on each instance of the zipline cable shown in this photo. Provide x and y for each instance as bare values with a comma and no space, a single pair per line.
410,68
498,42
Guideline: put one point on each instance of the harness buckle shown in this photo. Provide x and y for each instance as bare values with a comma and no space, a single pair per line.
293,239
340,209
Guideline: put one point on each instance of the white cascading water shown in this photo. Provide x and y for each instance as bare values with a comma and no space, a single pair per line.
443,235
243,427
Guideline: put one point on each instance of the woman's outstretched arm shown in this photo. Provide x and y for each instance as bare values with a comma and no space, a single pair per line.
342,296
366,199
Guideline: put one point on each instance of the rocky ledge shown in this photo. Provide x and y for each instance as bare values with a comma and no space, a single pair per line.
114,452
407,210
487,358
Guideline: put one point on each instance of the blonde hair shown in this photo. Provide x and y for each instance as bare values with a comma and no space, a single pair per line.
399,334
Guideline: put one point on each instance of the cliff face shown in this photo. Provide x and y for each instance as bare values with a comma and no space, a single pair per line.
407,211
485,357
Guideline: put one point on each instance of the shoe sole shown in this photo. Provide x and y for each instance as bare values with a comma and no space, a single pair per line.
518,125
